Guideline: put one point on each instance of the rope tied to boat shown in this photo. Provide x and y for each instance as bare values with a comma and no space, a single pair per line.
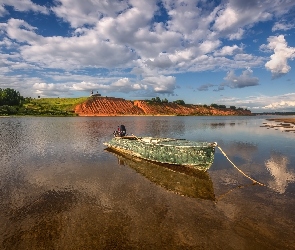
254,181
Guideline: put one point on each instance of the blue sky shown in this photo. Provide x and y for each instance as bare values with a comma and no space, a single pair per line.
231,52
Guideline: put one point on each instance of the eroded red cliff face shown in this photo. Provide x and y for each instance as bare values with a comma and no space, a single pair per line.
110,106
107,106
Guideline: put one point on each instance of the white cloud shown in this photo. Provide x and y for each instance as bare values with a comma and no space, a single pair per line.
78,13
161,84
209,46
228,51
22,31
278,61
226,18
281,105
7,43
244,80
162,61
50,89
125,85
82,86
282,26
183,15
205,87
263,103
151,85
2,11
67,52
123,40
24,5
237,35
235,14
117,40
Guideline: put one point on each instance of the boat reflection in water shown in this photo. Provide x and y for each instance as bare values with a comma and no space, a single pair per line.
182,180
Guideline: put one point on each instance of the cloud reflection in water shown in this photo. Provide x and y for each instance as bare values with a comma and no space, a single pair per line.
277,166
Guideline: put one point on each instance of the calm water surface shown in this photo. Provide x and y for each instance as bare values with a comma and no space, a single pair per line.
60,188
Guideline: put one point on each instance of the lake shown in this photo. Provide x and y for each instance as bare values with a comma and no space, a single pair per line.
60,188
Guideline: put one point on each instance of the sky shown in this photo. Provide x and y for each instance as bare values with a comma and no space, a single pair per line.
227,52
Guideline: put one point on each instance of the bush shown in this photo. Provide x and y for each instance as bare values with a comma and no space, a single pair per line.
214,105
180,102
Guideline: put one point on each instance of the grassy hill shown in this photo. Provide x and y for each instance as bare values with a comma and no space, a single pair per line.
51,106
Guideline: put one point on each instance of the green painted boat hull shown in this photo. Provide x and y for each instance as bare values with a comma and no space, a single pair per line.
166,150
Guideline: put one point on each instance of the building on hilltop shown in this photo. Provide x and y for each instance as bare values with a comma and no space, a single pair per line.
97,94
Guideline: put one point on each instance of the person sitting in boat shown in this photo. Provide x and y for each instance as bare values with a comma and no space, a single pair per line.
121,131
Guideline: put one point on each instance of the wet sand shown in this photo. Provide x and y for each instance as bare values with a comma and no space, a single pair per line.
285,120
284,124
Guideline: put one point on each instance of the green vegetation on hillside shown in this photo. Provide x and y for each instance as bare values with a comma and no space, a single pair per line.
158,100
51,106
12,103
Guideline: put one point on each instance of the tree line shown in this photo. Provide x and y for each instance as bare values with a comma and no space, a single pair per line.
10,101
158,100
10,97
181,102
214,105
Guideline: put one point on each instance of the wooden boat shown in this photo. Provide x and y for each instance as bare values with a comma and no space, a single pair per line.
199,155
181,180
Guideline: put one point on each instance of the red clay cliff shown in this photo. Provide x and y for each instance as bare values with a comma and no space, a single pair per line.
110,106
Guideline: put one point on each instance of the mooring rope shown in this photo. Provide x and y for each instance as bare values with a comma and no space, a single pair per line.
254,181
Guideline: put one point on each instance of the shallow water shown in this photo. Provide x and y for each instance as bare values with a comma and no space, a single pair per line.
60,188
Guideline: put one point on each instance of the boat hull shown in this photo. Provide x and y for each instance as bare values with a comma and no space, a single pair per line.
199,155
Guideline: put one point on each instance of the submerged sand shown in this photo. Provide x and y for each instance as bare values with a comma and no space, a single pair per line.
285,120
285,124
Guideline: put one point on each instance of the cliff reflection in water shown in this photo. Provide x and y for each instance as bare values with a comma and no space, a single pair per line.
178,179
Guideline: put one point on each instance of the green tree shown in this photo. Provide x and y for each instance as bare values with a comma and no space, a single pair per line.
214,105
10,97
180,102
157,99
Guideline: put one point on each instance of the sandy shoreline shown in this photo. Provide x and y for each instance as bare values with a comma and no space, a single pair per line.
285,124
286,120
